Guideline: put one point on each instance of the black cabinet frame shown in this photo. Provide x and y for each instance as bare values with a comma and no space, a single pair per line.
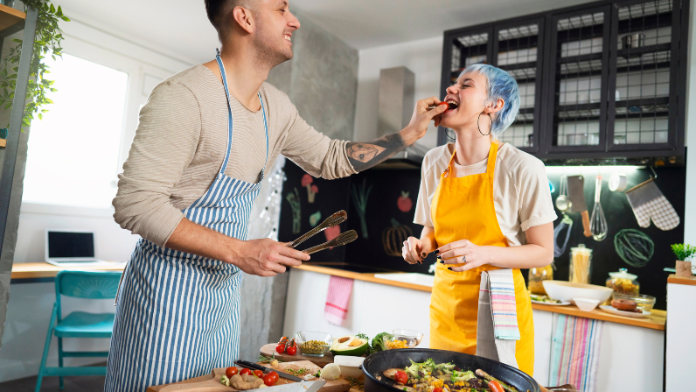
546,100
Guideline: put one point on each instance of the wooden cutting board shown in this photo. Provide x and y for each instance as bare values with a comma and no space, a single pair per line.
269,349
211,382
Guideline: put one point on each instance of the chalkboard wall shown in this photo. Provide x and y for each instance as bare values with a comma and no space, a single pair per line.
387,214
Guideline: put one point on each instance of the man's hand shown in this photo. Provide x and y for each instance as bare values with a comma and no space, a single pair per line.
266,257
418,125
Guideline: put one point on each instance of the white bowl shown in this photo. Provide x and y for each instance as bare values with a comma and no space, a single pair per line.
566,291
350,366
586,304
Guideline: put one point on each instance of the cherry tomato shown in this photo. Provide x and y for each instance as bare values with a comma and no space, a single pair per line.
258,373
231,371
495,386
401,377
444,103
270,379
292,350
437,389
280,348
245,371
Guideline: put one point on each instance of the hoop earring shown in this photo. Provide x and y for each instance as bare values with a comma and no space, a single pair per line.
479,127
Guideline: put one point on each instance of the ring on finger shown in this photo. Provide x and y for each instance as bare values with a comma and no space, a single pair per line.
464,259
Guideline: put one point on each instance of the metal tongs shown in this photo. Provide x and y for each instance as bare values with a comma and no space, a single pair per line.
342,239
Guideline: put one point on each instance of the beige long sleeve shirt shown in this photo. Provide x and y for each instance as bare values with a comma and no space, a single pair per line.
180,145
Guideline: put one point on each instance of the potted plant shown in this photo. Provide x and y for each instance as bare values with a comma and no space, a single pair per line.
684,254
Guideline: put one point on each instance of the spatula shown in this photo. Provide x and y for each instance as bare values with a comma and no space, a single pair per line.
576,193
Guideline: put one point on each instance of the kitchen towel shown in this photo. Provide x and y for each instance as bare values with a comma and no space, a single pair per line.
503,305
575,352
648,202
338,299
488,345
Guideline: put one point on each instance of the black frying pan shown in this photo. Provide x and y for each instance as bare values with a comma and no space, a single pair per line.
376,363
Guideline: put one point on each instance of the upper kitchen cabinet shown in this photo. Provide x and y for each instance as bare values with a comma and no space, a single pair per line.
599,81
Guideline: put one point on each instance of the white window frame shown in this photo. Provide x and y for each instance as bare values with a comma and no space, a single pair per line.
101,47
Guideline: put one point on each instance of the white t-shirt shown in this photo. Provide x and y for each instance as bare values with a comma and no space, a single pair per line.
521,193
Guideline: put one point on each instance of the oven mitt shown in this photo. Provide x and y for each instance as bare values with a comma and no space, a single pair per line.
648,202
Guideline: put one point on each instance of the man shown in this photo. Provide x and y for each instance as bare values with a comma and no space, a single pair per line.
203,142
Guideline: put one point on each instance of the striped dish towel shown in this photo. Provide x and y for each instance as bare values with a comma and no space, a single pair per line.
503,305
575,352
337,300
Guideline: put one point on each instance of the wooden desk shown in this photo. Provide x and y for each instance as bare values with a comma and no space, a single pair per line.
44,272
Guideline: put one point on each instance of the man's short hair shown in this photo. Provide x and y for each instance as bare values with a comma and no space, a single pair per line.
218,10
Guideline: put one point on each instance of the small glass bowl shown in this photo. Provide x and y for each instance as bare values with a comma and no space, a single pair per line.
302,337
645,302
410,338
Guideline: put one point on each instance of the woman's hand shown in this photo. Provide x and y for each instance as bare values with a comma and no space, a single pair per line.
415,250
464,252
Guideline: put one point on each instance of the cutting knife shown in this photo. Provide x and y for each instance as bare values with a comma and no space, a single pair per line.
264,369
304,386
576,194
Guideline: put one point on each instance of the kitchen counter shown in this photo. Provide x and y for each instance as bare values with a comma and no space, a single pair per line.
682,280
28,272
655,321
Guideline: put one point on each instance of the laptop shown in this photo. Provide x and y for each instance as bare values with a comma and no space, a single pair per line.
71,248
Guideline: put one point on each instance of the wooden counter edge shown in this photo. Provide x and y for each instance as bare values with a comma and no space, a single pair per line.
656,320
45,270
674,279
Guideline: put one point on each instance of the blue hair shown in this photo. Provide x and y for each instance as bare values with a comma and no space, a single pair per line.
500,86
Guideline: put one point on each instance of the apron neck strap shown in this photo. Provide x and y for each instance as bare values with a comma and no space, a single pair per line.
490,166
231,124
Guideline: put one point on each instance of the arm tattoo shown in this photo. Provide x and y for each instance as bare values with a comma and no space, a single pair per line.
366,155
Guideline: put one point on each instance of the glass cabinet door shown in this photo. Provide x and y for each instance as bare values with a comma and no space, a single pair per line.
642,66
578,77
516,49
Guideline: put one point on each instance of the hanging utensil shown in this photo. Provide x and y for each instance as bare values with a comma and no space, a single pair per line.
562,201
558,250
598,226
576,194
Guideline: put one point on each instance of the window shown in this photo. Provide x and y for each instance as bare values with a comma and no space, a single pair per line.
73,155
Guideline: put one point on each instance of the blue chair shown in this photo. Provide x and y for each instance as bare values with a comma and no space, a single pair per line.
79,284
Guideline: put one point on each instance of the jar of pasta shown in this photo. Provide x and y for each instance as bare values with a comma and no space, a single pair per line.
624,283
580,260
537,276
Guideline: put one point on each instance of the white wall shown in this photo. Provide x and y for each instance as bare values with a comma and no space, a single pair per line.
30,304
423,57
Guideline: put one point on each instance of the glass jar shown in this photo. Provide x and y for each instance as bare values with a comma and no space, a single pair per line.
537,276
580,261
623,283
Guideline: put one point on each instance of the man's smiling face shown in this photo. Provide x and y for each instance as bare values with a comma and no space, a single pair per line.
275,25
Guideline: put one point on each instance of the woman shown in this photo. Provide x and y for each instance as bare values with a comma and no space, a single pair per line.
484,206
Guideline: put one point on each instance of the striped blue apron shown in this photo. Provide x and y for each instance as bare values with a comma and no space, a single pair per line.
177,315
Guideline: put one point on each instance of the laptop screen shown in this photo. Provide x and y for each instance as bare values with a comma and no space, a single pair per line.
65,244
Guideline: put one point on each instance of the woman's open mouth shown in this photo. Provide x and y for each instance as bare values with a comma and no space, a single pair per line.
451,105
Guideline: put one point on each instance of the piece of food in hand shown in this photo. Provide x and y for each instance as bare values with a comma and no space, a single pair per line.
244,382
245,371
231,371
401,377
331,372
624,304
350,345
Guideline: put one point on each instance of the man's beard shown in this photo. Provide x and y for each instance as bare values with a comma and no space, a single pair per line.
266,54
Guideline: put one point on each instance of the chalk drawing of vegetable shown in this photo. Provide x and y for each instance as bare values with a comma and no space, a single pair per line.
314,218
294,199
359,195
404,202
312,190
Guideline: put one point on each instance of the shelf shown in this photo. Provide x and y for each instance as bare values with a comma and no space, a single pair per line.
580,58
10,17
631,52
516,66
650,22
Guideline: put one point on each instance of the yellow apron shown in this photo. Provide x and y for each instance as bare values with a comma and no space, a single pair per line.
463,208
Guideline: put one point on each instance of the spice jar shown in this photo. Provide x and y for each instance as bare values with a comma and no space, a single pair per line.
580,260
624,283
537,276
